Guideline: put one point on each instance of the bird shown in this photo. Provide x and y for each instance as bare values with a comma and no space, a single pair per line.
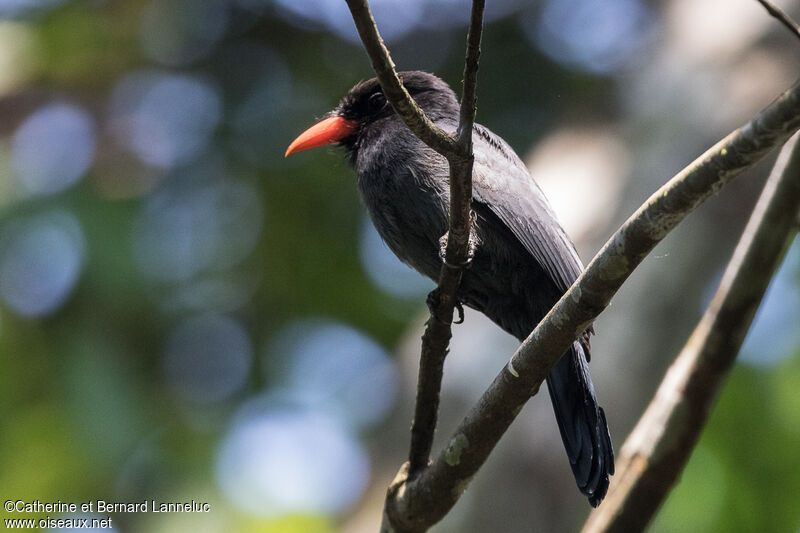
523,260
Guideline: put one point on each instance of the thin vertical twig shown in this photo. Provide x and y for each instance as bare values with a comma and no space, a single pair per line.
457,149
437,333
397,95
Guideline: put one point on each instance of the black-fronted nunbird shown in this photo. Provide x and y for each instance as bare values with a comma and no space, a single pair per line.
523,260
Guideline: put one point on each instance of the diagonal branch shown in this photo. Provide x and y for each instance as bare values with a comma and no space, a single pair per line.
424,500
421,496
660,445
782,17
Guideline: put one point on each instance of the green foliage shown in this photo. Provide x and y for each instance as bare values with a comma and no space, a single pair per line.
743,474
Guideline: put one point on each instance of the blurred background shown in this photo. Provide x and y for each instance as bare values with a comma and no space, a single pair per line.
186,315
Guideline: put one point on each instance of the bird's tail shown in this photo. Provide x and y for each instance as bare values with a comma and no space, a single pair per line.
582,424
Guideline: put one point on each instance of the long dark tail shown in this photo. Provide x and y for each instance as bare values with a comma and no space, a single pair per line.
582,424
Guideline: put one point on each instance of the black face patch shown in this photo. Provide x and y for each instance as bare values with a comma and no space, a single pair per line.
366,102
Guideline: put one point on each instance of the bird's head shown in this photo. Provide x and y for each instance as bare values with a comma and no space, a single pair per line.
365,104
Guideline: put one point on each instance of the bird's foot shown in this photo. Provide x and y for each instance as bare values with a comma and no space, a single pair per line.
433,302
472,246
460,309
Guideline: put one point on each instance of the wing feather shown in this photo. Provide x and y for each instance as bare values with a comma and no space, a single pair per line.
502,182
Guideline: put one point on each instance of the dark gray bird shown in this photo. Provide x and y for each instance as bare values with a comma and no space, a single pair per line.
523,262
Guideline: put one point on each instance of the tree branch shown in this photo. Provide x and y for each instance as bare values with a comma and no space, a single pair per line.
397,95
458,152
659,447
421,496
438,332
782,17
469,96
421,502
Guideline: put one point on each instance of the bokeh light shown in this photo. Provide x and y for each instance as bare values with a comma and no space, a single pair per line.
207,358
277,460
41,258
581,166
194,225
53,148
19,8
713,31
335,369
17,54
591,35
396,17
165,119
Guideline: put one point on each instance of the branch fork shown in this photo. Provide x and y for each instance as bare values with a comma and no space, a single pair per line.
423,491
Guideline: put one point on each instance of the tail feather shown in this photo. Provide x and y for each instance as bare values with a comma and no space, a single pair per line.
582,424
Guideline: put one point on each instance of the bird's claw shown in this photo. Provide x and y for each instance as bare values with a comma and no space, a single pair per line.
472,246
433,306
460,309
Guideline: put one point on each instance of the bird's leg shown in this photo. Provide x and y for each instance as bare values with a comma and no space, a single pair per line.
472,246
460,309
433,305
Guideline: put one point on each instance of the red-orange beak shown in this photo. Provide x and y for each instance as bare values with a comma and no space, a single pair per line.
328,131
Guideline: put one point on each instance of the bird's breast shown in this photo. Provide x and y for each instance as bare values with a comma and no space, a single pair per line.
408,204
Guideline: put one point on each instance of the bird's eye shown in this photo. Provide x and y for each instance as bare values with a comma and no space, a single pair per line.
376,102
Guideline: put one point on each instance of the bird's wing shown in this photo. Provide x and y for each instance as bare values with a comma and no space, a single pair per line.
502,183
